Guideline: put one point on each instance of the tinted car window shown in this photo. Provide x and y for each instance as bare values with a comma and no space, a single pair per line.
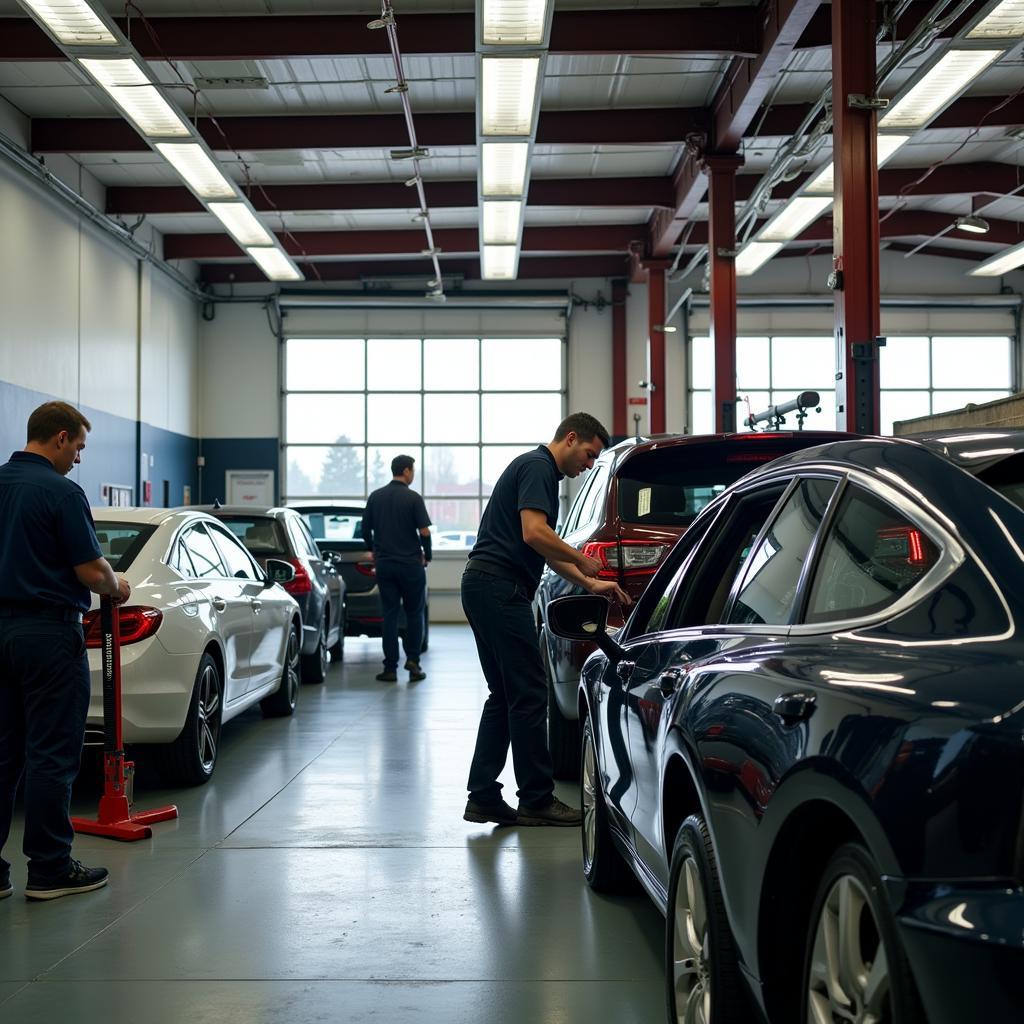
262,535
1007,477
593,504
179,560
204,555
769,587
872,555
338,529
121,542
237,560
301,540
573,518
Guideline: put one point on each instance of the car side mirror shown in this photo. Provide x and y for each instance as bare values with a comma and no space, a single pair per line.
583,620
279,571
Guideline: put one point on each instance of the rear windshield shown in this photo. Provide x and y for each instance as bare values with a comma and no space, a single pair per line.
670,486
336,529
121,542
1007,477
261,535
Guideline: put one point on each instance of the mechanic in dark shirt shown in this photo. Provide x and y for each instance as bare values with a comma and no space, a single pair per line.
516,537
50,560
396,529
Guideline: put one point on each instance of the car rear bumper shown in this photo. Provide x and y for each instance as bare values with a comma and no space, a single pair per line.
966,949
363,612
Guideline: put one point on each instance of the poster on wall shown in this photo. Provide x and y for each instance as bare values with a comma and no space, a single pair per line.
249,487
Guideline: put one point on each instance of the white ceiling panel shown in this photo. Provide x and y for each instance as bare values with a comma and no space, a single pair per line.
553,216
551,161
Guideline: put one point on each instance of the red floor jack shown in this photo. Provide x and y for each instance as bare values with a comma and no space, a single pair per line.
115,819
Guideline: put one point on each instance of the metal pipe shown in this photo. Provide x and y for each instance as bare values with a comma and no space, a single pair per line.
946,301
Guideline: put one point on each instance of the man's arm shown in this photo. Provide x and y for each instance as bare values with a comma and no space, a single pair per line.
602,588
425,543
100,578
547,543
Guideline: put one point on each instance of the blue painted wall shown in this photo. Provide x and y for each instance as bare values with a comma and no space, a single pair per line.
224,453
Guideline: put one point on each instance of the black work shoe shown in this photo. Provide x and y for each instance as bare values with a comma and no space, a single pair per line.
500,813
5,887
416,674
555,813
77,878
387,677
412,665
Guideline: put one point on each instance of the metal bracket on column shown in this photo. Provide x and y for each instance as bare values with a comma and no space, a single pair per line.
728,417
858,101
864,356
727,254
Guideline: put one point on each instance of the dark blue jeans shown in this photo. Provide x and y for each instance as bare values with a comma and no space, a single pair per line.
44,700
401,585
515,712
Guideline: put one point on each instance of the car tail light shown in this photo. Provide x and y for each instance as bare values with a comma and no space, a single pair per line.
366,568
137,623
625,558
302,584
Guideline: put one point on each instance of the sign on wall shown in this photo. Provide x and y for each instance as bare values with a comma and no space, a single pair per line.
118,495
249,487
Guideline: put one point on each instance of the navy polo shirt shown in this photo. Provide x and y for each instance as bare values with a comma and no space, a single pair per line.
392,519
529,481
47,530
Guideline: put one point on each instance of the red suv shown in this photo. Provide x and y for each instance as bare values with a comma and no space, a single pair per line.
634,505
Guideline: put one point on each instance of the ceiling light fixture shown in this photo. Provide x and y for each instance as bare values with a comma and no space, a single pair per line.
139,99
1001,263
973,223
796,215
755,255
275,264
196,166
73,22
514,22
498,262
509,88
503,168
385,21
243,225
501,222
1006,21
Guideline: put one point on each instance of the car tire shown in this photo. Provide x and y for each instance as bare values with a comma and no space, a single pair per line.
191,759
314,666
337,652
701,962
850,902
281,703
604,867
563,733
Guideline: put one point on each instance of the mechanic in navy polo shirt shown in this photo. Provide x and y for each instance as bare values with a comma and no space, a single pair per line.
50,560
515,538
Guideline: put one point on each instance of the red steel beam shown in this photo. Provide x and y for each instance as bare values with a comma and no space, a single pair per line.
656,345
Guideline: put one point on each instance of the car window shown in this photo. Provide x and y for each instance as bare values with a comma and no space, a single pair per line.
205,557
723,557
179,560
301,539
593,504
121,542
239,564
871,556
772,576
261,535
335,526
573,518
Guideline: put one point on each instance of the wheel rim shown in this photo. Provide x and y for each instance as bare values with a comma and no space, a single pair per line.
292,667
849,973
208,717
589,790
691,959
325,658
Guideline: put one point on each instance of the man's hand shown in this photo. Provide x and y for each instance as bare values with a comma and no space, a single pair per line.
123,590
588,566
611,590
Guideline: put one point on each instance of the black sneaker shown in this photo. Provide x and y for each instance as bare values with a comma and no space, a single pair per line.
77,878
387,677
555,813
500,813
5,887
416,674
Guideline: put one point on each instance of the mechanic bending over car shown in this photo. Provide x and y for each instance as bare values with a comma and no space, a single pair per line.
396,529
515,538
49,562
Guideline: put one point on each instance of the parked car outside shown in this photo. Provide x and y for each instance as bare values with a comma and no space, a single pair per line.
637,501
318,588
204,636
806,742
448,540
338,530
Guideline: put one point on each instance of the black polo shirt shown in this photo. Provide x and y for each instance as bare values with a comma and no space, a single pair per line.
47,530
529,481
392,519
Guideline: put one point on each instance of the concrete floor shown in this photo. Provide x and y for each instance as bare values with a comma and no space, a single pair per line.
326,874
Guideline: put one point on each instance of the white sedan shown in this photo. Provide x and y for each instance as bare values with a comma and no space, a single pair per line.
204,635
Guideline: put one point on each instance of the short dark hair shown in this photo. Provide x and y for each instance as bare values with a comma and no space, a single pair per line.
585,426
52,417
400,463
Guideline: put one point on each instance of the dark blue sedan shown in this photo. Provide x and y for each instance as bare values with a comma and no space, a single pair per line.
807,742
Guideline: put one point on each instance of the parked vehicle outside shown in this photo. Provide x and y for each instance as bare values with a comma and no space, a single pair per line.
805,742
637,501
204,636
318,588
454,540
338,531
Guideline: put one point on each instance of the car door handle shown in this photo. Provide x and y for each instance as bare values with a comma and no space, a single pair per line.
668,681
256,605
624,670
794,707
219,603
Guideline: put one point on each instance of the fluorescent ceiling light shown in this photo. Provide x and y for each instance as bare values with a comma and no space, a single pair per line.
504,168
498,262
755,255
131,89
73,22
514,21
509,87
887,145
193,163
943,82
1002,263
794,217
974,224
1005,22
824,182
501,222
275,264
242,223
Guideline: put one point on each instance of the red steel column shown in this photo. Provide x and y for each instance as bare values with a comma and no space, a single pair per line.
855,231
619,388
721,169
656,344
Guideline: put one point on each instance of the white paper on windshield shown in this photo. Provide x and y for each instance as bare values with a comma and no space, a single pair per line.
643,502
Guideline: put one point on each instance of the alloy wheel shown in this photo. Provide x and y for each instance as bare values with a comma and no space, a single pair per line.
293,656
208,717
690,949
589,790
325,658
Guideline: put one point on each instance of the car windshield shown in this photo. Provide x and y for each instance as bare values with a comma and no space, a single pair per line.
260,534
337,528
1007,477
121,542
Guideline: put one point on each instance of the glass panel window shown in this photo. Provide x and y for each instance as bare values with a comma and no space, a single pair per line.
455,520
521,364
701,364
393,364
378,466
451,469
702,416
750,403
903,405
905,362
205,557
451,418
325,364
753,364
325,419
451,364
239,564
495,458
507,417
336,472
802,363
965,363
393,419
180,562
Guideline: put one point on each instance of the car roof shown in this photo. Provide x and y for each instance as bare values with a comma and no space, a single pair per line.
145,516
326,507
271,511
974,449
